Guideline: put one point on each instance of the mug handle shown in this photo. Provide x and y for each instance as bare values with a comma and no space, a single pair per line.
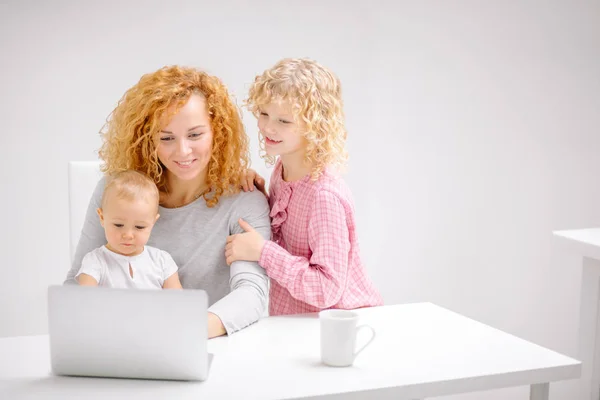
356,353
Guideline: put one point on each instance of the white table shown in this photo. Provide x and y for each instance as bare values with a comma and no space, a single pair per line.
586,243
421,350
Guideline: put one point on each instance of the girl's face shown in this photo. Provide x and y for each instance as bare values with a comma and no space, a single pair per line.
283,135
185,144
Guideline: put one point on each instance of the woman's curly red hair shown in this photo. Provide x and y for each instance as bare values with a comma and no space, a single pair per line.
130,136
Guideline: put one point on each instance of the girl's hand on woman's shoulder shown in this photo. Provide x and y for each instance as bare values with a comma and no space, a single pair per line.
251,179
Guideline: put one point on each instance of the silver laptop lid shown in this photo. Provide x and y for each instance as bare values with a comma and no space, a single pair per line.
128,333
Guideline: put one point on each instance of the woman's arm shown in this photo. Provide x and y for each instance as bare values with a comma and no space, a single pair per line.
215,326
247,301
92,233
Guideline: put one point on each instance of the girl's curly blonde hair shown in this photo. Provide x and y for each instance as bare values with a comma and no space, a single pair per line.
130,135
315,94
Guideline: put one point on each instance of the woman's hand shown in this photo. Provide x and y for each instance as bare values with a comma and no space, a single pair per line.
245,246
251,179
215,326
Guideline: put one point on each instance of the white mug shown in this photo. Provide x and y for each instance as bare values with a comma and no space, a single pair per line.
338,337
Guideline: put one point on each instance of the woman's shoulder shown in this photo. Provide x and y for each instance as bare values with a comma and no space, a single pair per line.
254,199
253,207
99,189
101,182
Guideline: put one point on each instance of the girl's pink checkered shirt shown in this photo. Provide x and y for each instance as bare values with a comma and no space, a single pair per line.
314,260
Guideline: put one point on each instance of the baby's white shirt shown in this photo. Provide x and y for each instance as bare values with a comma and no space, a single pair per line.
150,268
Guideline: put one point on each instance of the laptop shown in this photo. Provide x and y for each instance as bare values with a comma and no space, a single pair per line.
128,333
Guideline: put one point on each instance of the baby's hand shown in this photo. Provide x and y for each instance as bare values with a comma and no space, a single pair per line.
250,180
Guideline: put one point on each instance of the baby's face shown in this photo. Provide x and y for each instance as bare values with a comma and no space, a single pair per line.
127,224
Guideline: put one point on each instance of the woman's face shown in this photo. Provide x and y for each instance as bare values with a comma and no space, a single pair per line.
185,144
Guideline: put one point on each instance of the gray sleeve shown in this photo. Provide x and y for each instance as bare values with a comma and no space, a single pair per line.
92,233
246,302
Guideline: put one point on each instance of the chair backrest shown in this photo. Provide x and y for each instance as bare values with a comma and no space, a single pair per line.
83,178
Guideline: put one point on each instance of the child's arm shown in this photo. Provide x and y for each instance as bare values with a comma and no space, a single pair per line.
91,271
321,280
251,179
172,282
86,280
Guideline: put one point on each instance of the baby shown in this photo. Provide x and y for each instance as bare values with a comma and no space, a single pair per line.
128,212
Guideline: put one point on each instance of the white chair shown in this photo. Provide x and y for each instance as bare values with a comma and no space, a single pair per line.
83,178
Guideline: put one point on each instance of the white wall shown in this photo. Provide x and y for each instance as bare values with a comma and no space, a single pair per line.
473,134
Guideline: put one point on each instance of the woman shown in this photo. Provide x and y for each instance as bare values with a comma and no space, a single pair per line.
179,127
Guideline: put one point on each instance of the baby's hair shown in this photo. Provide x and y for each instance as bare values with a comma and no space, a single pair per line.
315,94
130,185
